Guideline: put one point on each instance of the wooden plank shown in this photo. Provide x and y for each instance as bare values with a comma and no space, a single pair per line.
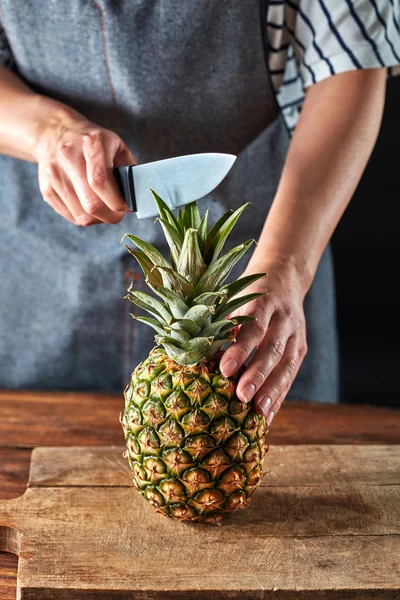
8,576
84,419
274,512
284,465
345,465
59,418
331,538
106,539
14,470
81,419
78,466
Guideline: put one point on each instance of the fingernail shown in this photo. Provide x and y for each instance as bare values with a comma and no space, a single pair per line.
84,219
230,367
270,418
265,403
248,392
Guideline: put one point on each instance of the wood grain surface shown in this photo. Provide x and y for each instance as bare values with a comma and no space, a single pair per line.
30,419
305,530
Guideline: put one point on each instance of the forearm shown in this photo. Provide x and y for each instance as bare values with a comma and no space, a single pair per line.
23,116
333,140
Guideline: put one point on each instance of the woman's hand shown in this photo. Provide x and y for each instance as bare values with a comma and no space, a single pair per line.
278,333
75,167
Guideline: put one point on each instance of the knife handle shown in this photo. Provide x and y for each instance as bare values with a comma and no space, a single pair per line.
124,177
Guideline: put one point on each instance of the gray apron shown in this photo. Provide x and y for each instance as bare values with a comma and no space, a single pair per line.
169,77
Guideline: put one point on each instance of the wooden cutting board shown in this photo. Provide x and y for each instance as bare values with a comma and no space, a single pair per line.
324,524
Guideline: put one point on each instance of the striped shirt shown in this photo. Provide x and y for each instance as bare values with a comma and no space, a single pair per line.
307,41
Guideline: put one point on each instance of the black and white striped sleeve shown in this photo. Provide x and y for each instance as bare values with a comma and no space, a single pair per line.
334,36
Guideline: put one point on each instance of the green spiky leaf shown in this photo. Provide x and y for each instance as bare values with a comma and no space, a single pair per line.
165,212
180,356
174,281
228,308
180,335
191,264
202,231
193,215
242,319
214,230
147,307
218,271
191,320
167,339
208,298
154,323
216,327
176,305
151,252
237,286
200,314
215,346
174,240
154,303
199,344
221,236
187,325
153,276
180,219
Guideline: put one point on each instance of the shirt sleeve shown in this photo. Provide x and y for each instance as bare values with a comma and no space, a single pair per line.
332,36
6,55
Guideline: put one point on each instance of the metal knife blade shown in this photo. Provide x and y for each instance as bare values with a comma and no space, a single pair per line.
177,180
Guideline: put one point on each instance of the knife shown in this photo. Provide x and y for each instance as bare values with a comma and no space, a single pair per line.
177,180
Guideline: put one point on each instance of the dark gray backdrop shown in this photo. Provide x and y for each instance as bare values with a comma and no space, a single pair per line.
366,247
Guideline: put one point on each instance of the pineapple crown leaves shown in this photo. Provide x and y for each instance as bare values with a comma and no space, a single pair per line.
191,314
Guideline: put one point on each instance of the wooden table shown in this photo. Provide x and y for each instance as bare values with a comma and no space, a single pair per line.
28,420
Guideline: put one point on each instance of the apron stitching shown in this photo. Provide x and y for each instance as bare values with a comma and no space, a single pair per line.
103,37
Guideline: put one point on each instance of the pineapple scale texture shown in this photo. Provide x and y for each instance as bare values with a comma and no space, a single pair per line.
195,450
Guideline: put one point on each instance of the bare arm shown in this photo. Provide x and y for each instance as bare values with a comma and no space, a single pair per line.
75,156
334,138
21,112
330,148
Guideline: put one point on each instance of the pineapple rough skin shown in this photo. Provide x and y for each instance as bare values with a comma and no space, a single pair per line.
195,450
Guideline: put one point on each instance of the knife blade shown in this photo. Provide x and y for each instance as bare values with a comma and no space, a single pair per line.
177,180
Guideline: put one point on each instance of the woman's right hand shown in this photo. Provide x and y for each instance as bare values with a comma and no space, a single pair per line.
75,167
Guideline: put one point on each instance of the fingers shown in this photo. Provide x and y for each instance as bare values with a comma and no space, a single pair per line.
269,353
279,335
74,165
249,336
272,393
51,197
76,174
58,191
99,157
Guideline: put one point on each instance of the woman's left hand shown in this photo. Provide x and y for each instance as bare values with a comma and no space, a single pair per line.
278,333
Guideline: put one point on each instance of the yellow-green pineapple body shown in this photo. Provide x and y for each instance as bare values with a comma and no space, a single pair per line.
195,450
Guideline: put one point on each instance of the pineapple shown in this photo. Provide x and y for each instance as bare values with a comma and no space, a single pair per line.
194,448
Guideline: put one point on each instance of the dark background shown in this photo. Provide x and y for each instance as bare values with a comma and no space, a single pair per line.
366,248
